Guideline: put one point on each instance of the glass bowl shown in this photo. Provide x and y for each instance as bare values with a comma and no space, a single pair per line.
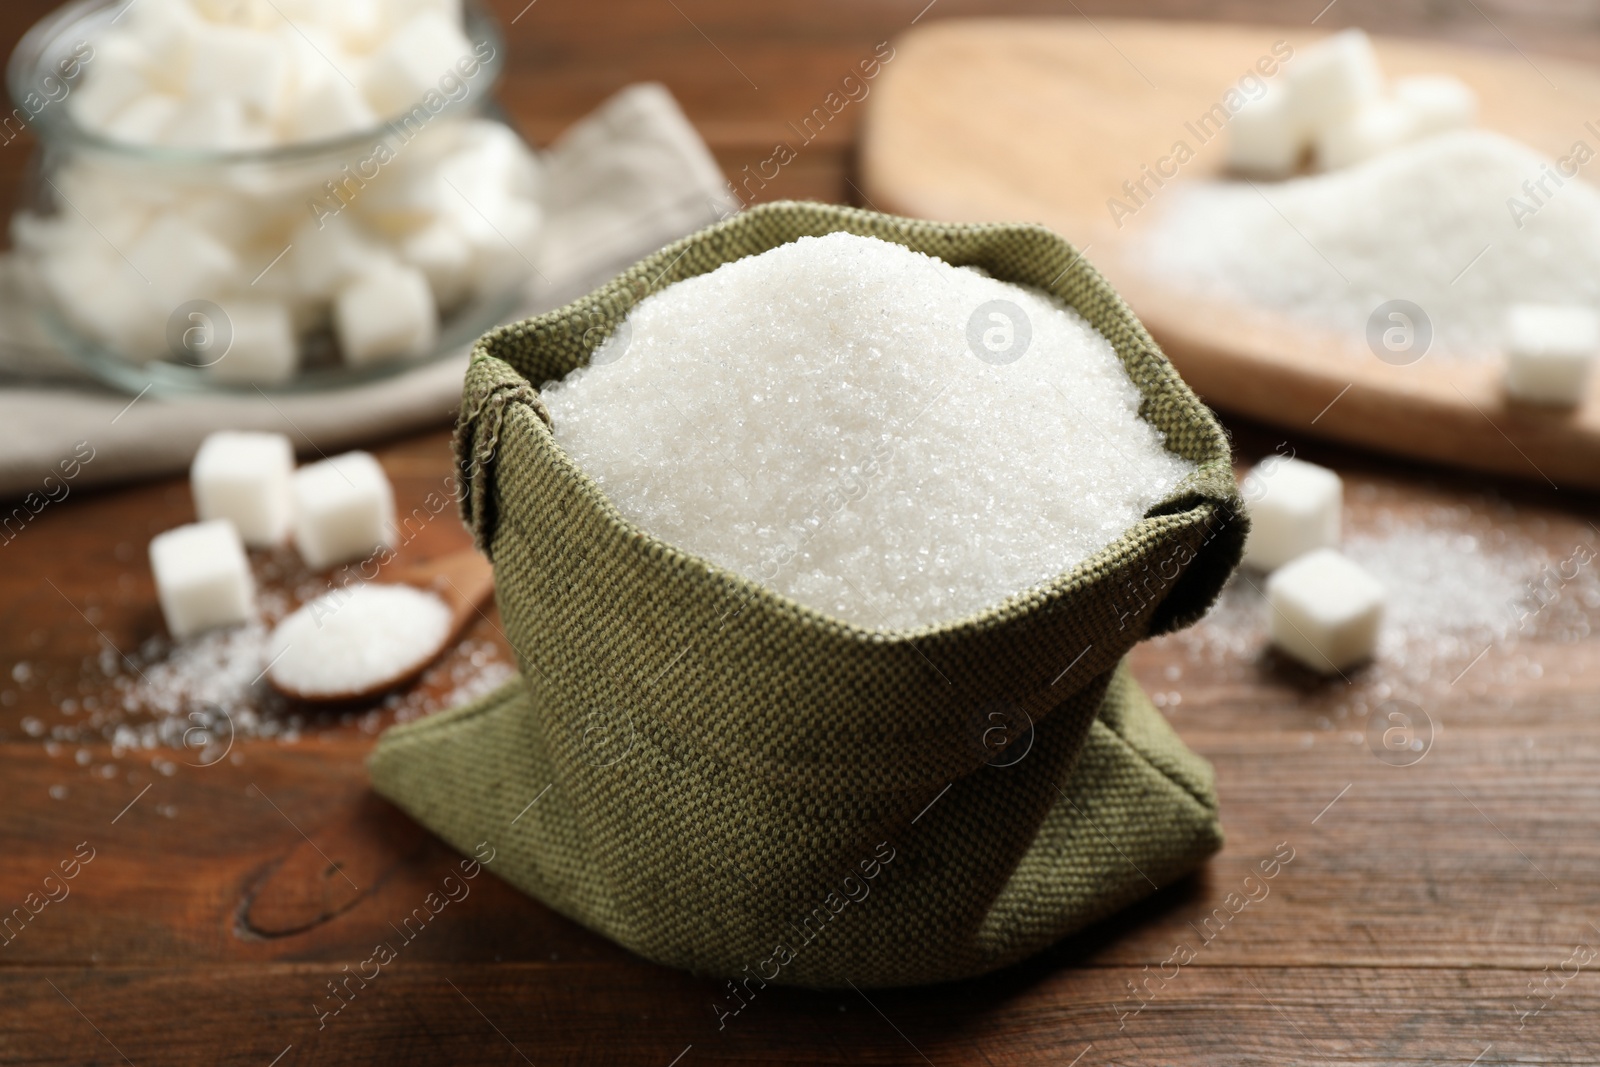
285,268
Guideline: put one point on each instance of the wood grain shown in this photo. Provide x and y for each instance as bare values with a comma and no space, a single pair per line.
215,911
997,120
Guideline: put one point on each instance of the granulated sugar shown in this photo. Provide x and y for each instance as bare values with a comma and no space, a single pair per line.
1446,224
1446,589
818,418
353,639
1460,586
166,706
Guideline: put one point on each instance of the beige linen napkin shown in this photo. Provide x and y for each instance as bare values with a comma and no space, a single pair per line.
627,179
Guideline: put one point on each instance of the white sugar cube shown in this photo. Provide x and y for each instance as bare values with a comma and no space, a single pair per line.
1437,103
387,314
243,478
1266,137
122,316
202,577
115,76
441,253
228,61
405,197
505,241
359,23
1550,351
210,122
500,158
145,120
182,262
1334,77
1294,508
1325,611
490,186
1373,127
166,33
252,14
330,252
411,62
262,348
328,107
343,509
397,12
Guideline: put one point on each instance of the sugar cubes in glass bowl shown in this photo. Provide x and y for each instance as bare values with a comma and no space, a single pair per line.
277,195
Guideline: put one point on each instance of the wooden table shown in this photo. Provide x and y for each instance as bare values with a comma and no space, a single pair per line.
1423,904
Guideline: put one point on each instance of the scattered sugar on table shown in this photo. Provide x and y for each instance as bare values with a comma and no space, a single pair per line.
1460,582
166,705
873,432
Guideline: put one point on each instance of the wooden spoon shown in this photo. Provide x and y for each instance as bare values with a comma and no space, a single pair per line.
463,580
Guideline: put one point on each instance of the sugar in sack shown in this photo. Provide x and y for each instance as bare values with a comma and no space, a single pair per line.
873,432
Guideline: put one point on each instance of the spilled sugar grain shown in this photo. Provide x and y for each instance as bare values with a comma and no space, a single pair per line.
1431,223
817,418
168,705
1464,587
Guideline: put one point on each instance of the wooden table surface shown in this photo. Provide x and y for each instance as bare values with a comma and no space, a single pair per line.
1441,912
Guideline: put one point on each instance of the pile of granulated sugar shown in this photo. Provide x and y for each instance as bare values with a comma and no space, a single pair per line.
816,418
352,639
1431,223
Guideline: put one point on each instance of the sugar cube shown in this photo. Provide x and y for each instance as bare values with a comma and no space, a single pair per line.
262,348
405,197
497,156
1334,77
328,107
398,11
387,314
144,120
1294,508
210,122
202,577
442,254
1550,350
360,23
343,509
229,61
489,197
412,61
1265,136
243,478
122,316
166,33
1373,127
118,76
1326,610
505,243
331,251
1437,103
181,261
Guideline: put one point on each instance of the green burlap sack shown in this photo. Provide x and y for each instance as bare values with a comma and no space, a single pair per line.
723,780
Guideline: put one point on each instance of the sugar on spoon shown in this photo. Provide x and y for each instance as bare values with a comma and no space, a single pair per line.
361,640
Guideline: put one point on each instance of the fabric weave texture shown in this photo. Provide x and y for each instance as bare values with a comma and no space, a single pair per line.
723,780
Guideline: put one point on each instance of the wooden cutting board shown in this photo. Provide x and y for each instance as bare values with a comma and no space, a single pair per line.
1045,119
